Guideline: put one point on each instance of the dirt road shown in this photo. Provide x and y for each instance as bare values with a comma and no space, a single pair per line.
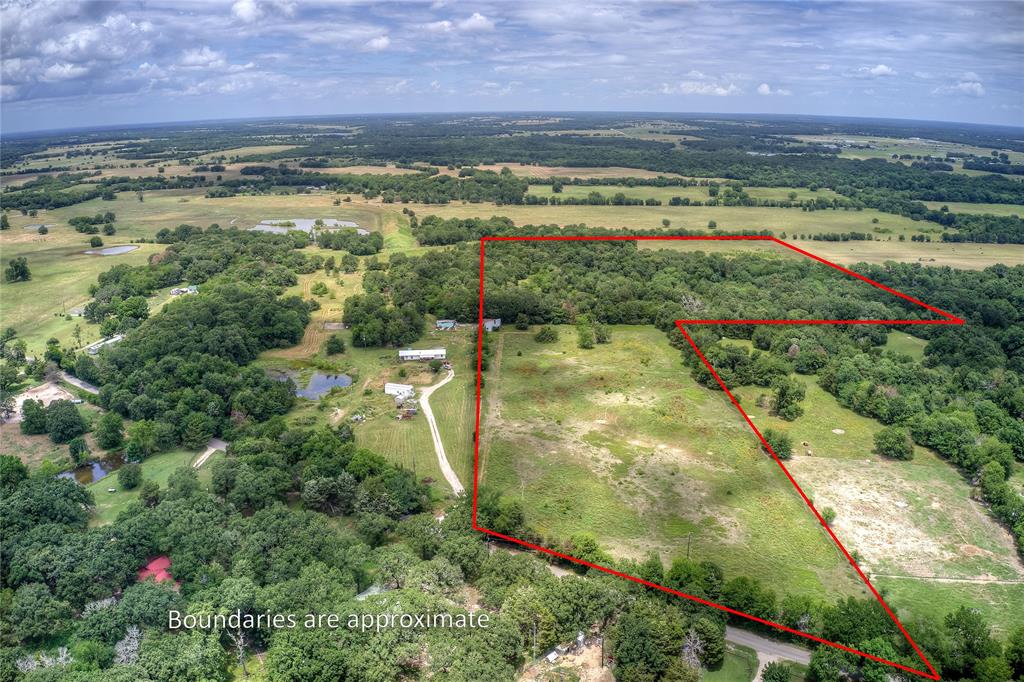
75,381
212,446
767,650
442,458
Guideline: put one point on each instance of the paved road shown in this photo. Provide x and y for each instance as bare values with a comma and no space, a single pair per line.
768,650
84,385
442,459
212,446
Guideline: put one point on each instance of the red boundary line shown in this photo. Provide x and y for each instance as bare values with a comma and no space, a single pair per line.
947,318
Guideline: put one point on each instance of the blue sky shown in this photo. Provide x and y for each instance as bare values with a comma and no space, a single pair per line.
74,63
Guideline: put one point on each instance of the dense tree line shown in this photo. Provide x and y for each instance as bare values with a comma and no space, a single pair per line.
472,185
60,194
351,241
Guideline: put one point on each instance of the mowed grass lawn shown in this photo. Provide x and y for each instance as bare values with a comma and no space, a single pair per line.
619,441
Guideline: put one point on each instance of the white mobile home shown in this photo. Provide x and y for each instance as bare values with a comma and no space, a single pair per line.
425,354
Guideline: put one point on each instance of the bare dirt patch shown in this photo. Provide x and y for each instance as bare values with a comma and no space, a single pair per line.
47,393
901,526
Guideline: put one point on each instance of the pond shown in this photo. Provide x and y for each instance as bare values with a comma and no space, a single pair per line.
111,250
90,472
320,384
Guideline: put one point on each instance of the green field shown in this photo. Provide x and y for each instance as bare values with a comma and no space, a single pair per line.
901,342
621,442
665,194
961,207
789,220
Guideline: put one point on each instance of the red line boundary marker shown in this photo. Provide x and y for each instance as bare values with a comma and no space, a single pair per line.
945,318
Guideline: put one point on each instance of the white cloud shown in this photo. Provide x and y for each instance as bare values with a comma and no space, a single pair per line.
202,58
767,91
63,71
879,70
377,44
823,67
247,11
439,27
476,22
967,88
700,88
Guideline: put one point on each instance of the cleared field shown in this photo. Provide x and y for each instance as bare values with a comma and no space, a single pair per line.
885,147
933,254
914,522
61,275
569,171
237,152
779,220
994,209
665,194
901,342
621,442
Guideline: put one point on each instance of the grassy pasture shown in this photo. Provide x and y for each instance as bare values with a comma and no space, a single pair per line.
238,152
531,171
963,207
621,442
789,220
901,342
955,255
665,194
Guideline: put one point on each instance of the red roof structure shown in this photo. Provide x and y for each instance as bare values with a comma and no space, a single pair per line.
158,568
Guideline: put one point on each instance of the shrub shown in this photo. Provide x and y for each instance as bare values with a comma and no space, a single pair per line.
547,334
79,449
95,242
779,442
335,345
129,476
895,443
63,422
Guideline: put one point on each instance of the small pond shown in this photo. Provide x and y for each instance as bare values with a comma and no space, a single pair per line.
90,472
320,384
111,250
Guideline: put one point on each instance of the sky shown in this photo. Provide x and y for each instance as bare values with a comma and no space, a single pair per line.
72,63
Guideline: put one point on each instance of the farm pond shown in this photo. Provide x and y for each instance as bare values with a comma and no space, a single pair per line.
97,470
111,250
319,385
